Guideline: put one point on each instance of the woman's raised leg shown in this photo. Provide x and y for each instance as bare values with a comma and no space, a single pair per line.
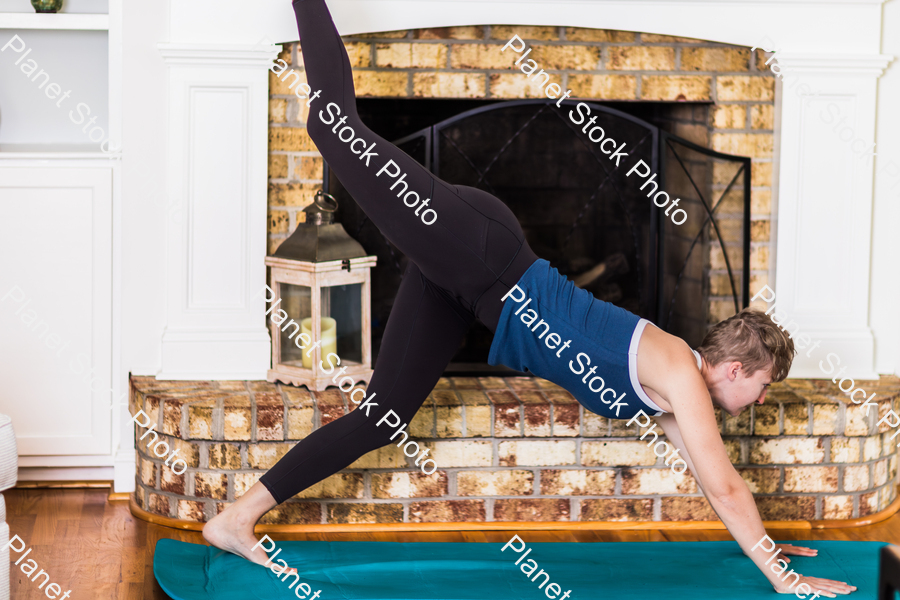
463,240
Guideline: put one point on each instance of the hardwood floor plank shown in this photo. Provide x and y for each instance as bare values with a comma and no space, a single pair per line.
130,590
133,560
152,590
66,531
21,525
70,505
26,586
116,524
47,513
21,504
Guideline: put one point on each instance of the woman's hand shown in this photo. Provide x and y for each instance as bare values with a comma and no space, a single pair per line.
787,550
823,587
817,585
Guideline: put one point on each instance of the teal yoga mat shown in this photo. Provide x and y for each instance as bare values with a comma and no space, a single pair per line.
447,571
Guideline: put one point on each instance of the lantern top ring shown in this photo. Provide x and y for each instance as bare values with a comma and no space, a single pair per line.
326,208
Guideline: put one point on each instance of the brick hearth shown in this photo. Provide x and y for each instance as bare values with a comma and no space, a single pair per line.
512,449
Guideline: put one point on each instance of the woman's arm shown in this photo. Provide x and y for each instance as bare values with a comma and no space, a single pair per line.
718,480
668,424
694,430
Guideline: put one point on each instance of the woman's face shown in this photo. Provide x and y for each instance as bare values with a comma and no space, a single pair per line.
740,391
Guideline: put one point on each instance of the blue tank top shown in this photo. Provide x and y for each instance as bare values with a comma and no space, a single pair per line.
562,333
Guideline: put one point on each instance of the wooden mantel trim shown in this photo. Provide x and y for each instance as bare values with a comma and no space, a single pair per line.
523,525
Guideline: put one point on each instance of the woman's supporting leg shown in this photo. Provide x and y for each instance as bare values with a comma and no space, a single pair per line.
423,332
475,241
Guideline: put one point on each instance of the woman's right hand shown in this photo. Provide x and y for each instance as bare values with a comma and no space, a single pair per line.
820,587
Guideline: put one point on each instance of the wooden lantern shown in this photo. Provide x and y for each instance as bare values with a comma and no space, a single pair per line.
320,313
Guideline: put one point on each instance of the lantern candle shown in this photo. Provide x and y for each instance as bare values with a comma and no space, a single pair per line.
328,336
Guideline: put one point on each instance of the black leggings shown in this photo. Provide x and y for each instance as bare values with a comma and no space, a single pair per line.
460,266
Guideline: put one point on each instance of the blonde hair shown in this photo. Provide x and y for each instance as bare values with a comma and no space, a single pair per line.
753,339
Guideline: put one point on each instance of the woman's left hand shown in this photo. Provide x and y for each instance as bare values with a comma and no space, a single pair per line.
788,549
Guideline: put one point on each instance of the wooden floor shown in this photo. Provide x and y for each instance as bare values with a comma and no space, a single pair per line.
99,550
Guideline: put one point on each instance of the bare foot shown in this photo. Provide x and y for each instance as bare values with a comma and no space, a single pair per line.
230,532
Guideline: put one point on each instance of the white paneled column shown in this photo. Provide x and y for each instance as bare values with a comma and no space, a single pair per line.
824,229
217,146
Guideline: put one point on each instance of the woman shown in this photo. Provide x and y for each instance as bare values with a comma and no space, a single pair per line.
469,260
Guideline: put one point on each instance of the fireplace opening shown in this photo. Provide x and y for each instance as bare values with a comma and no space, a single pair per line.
577,208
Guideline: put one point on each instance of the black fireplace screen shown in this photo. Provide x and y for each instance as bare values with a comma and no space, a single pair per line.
585,215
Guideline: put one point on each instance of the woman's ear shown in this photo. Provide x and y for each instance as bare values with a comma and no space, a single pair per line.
733,369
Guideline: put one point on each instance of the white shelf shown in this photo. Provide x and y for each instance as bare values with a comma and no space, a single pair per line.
53,151
68,21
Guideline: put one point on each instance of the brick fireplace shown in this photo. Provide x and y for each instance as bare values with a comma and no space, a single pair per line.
727,95
521,449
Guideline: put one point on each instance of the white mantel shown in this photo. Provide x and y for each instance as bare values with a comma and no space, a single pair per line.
799,25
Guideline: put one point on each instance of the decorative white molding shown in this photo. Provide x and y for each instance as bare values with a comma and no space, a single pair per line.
824,239
884,316
205,353
742,22
226,55
824,235
861,65
217,174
